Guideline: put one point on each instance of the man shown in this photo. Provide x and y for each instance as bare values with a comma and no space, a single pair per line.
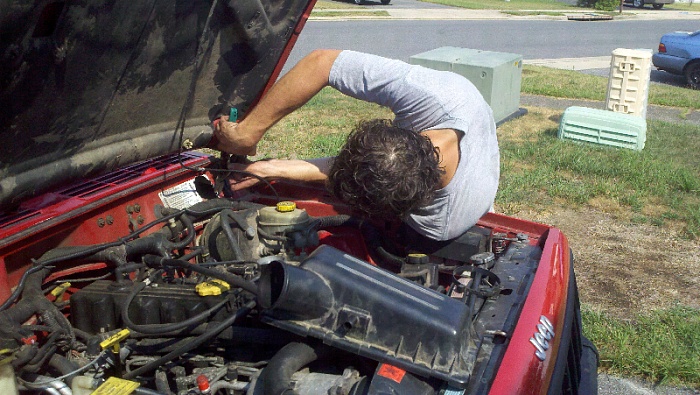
435,166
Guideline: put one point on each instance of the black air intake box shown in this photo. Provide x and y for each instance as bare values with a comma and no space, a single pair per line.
353,305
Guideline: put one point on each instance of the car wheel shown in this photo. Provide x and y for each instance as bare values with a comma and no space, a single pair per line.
692,74
657,6
638,3
359,1
385,2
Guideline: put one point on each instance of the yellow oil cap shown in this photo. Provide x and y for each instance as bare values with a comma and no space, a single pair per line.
286,207
212,287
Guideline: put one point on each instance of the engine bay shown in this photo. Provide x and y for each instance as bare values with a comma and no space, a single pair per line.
257,295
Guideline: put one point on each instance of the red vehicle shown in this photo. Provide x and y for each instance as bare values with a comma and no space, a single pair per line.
126,264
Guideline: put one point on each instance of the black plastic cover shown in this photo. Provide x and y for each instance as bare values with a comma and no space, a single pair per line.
366,310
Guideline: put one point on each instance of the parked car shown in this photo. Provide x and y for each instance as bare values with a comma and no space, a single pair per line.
127,266
657,4
679,53
385,2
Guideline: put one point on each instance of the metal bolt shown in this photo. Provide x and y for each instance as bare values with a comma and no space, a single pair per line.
110,220
101,222
137,208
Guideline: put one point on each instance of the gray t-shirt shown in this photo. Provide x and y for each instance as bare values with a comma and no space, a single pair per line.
423,99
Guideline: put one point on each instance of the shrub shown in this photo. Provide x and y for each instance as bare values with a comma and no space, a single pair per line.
603,5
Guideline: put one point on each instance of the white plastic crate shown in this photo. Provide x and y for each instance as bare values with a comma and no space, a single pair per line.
628,84
603,127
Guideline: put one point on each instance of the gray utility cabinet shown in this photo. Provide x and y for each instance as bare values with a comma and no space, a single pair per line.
497,75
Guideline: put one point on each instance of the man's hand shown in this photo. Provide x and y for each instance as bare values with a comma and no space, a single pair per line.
232,138
292,91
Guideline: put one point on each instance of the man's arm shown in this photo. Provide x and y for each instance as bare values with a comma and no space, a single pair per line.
310,170
292,91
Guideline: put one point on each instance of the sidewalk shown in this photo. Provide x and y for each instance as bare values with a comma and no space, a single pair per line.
467,14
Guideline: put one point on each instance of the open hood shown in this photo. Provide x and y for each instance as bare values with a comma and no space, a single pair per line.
89,86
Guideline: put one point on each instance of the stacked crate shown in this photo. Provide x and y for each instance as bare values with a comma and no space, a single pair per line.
623,123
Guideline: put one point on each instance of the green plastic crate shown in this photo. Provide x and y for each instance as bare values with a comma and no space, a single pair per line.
603,127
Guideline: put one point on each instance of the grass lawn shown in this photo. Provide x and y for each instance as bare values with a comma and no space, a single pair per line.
662,346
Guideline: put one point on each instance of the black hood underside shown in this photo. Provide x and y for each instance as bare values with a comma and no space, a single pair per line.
89,86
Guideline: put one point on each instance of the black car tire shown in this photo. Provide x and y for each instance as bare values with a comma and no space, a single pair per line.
385,2
638,3
657,6
359,2
692,74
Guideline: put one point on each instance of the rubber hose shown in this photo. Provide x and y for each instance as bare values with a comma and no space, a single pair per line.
64,367
146,391
233,280
24,355
213,206
225,218
277,376
157,329
370,233
189,345
339,220
162,383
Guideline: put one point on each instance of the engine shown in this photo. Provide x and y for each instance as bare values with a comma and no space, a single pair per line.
234,297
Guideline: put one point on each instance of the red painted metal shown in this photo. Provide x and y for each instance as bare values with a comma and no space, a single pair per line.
70,218
521,372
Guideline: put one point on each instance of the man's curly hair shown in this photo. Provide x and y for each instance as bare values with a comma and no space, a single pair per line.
385,171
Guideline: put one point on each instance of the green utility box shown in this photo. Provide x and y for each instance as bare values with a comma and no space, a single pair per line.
497,75
603,127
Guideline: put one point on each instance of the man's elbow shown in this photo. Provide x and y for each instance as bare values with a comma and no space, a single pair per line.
323,58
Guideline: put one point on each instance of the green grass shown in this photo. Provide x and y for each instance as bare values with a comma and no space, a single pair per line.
505,5
661,346
539,80
534,13
334,5
664,175
684,6
344,14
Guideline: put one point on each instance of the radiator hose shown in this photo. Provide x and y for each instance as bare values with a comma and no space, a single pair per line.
277,376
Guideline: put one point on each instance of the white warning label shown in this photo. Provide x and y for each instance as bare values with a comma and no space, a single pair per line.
180,196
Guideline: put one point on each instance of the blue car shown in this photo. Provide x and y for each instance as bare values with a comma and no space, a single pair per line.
679,53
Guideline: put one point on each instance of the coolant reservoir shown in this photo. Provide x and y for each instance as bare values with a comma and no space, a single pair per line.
8,382
285,217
